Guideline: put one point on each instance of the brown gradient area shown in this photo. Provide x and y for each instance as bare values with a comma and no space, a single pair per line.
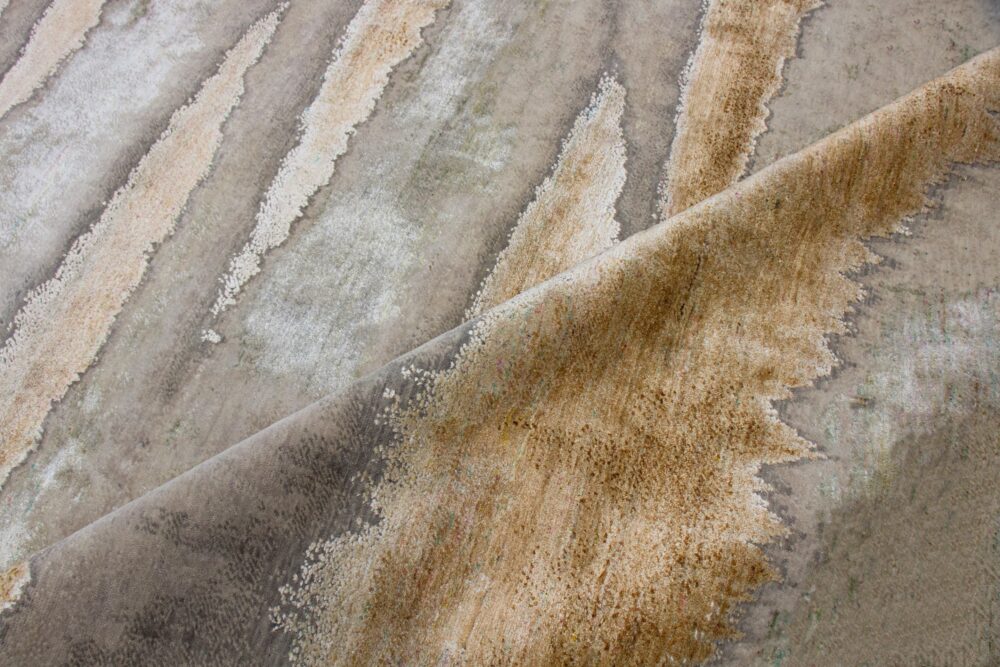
580,486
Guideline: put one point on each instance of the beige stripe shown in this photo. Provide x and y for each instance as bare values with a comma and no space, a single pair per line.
65,321
59,33
572,217
581,487
381,35
733,73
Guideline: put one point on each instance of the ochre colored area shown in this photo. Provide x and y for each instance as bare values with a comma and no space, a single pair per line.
581,484
734,72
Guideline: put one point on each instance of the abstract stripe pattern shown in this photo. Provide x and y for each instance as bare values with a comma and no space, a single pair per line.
381,35
65,321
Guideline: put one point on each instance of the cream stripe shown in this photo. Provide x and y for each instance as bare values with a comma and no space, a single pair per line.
59,33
